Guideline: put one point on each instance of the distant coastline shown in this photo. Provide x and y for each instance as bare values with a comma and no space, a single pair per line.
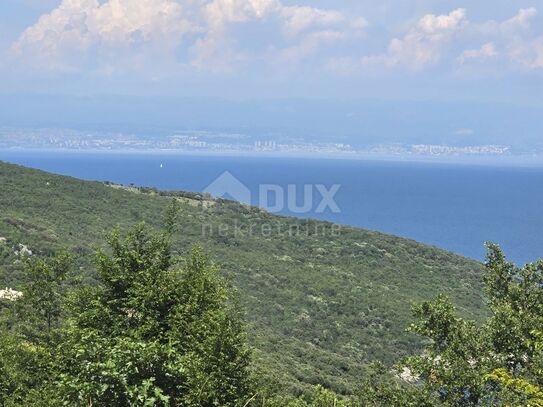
514,160
235,143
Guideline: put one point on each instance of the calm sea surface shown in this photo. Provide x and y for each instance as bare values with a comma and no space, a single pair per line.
456,207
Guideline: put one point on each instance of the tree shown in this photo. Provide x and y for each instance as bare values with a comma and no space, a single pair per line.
40,308
499,361
381,388
152,333
29,332
316,397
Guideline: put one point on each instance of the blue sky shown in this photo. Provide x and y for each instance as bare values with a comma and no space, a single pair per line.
485,50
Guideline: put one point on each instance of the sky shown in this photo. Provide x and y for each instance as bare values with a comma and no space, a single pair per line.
357,71
483,52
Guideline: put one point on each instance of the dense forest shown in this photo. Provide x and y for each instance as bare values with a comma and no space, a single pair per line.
157,330
321,305
120,300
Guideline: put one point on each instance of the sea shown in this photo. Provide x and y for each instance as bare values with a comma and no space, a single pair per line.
454,206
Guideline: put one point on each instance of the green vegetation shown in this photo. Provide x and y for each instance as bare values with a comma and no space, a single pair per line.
149,333
502,359
321,303
140,324
495,363
161,331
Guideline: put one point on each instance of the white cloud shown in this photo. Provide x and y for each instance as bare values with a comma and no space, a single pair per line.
62,38
521,48
298,19
316,29
527,54
222,12
112,36
487,50
300,31
115,31
431,24
512,42
436,39
522,20
424,44
216,50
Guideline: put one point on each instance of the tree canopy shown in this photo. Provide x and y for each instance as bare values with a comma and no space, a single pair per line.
160,330
154,331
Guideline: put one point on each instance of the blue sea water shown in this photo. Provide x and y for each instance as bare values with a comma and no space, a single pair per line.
452,206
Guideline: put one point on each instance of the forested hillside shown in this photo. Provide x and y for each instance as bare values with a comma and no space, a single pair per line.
321,302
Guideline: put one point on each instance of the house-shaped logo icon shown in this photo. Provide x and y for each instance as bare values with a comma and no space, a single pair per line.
229,187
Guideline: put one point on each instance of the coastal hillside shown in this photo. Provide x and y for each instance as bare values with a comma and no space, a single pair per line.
322,301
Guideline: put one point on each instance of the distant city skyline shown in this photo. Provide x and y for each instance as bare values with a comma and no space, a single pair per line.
210,142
